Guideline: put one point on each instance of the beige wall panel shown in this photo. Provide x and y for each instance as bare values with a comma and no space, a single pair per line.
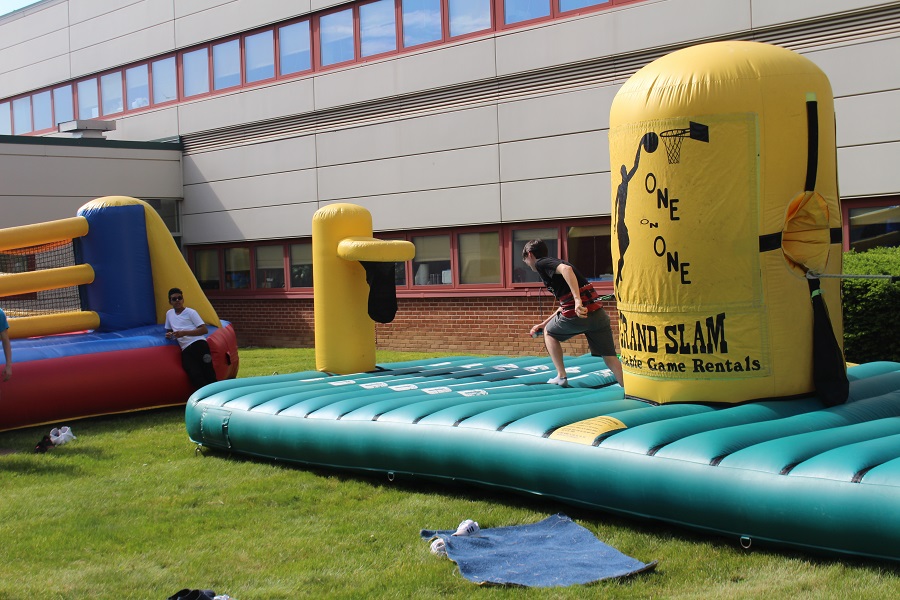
254,159
432,69
867,119
432,133
34,52
247,106
470,205
135,46
860,68
773,12
250,192
869,170
95,21
574,154
456,168
146,127
31,77
555,198
28,210
202,21
28,26
557,114
626,29
92,177
263,223
320,4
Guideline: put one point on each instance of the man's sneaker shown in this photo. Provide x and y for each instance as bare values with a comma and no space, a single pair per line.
439,547
560,381
467,527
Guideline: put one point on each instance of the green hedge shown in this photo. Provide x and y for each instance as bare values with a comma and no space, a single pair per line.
871,306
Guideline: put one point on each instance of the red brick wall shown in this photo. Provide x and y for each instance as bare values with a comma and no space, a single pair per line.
485,325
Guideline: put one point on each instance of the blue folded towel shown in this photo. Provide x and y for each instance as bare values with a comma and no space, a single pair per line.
552,553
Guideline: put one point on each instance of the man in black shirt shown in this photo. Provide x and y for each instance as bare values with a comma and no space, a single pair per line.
579,311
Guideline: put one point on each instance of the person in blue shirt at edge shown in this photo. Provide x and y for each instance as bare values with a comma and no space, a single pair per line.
7,348
580,311
187,327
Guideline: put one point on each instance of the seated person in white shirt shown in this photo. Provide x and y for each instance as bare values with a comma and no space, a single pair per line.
185,325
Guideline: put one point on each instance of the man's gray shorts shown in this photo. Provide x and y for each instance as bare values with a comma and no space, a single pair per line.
595,328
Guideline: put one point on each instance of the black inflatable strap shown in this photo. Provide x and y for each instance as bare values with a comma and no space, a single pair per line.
382,290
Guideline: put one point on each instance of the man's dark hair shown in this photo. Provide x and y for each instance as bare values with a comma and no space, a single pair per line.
536,247
174,291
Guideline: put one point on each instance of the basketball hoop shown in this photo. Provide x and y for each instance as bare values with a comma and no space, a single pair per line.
673,138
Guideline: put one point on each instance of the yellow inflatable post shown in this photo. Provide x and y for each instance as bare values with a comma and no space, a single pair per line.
341,237
726,206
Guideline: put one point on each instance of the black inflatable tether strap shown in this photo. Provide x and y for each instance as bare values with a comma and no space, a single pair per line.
382,290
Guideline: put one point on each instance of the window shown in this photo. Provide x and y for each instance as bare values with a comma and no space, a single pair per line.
42,109
431,266
301,265
88,103
468,16
226,65
566,5
336,37
259,56
294,53
377,27
137,87
165,81
22,115
111,93
479,257
206,268
589,249
515,11
237,268
521,273
5,123
63,104
270,267
421,22
195,72
874,226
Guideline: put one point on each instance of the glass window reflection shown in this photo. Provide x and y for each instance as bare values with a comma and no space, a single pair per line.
21,115
88,102
111,93
63,106
42,109
377,28
515,11
227,65
421,22
336,37
294,48
259,56
468,16
165,80
137,87
195,66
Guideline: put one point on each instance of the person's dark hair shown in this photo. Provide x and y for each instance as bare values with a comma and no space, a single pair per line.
174,291
536,247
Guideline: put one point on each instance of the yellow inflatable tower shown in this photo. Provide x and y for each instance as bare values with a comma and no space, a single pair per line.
726,207
341,241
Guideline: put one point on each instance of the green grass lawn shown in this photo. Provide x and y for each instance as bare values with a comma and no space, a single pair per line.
131,510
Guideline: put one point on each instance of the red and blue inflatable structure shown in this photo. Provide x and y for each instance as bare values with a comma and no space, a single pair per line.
111,356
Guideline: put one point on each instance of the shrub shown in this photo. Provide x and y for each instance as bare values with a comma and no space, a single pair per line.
871,306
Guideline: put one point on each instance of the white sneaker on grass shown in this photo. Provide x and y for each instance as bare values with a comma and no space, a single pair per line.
467,527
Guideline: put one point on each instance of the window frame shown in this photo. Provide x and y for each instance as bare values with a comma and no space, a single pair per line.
848,204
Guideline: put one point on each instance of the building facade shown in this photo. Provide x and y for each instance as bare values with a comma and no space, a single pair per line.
465,126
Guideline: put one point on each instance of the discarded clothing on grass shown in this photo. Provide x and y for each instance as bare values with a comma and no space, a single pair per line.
554,552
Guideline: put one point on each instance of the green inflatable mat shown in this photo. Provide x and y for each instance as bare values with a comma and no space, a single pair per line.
785,472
